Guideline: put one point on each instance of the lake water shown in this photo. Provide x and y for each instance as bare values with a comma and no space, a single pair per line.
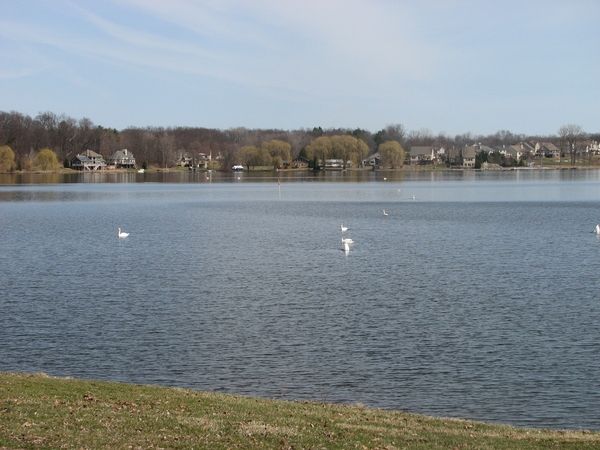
477,299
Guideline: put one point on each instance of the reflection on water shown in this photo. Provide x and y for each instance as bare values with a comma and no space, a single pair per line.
390,186
150,176
449,306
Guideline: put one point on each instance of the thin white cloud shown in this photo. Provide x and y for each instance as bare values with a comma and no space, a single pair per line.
293,44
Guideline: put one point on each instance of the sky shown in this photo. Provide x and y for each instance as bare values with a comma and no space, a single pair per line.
446,66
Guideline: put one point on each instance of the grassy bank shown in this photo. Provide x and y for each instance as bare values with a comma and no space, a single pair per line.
37,411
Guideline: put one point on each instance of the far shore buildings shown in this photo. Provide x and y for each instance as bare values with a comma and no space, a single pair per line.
122,159
192,160
92,161
423,155
88,161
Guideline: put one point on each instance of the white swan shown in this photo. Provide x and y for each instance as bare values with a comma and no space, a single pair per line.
346,248
384,213
347,241
122,234
597,229
343,227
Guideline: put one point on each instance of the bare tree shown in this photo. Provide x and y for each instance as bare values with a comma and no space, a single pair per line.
391,132
571,136
166,148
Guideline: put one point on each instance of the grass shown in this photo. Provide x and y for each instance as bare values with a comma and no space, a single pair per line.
38,411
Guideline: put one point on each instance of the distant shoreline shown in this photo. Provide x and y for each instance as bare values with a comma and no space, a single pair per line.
368,169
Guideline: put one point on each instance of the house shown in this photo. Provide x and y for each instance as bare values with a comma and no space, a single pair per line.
373,160
337,164
463,156
184,159
122,159
517,151
548,149
299,163
202,160
88,160
469,154
440,154
422,156
592,147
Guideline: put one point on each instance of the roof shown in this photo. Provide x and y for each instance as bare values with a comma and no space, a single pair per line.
469,151
122,154
92,154
550,146
421,151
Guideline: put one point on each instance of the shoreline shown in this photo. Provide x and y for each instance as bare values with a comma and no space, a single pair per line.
370,169
38,410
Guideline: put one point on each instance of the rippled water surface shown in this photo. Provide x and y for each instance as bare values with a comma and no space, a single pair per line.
477,299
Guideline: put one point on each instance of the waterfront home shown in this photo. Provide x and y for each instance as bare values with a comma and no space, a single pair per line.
468,155
184,159
422,155
88,161
122,159
335,163
373,160
547,149
463,156
300,163
517,151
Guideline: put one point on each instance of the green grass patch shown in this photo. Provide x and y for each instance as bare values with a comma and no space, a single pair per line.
38,411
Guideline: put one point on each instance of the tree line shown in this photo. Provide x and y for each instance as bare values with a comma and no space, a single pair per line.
66,136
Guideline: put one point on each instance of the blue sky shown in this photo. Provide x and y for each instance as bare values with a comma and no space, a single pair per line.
447,66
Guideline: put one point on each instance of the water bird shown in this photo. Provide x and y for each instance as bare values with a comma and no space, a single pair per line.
384,178
413,197
347,241
122,234
343,227
346,248
597,229
384,213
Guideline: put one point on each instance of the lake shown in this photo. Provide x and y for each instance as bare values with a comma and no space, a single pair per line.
476,299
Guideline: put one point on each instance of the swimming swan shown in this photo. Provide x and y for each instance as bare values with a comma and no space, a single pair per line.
384,213
343,227
597,229
122,234
347,241
346,248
